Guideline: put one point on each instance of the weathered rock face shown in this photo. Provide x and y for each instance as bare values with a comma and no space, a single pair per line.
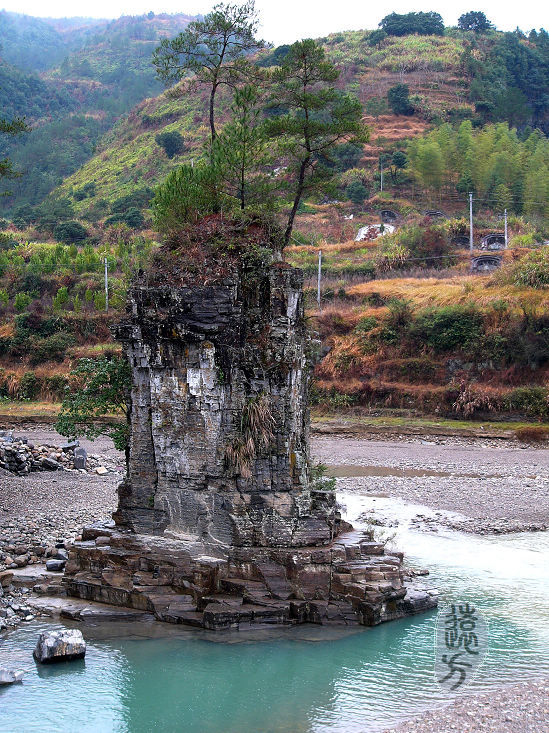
219,447
219,524
60,646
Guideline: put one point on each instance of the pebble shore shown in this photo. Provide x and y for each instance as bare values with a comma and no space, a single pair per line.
494,486
522,708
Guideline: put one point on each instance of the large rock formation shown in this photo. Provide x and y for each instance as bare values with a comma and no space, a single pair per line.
219,521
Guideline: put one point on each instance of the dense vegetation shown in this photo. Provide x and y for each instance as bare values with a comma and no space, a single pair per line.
101,75
505,170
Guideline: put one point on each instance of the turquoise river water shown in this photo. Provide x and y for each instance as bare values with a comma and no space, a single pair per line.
305,679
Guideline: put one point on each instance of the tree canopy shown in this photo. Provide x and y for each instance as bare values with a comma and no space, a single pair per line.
98,387
212,49
475,21
318,117
427,24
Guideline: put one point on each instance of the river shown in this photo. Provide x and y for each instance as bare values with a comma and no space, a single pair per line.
304,679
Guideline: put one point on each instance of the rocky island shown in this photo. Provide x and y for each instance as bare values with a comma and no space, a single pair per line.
220,522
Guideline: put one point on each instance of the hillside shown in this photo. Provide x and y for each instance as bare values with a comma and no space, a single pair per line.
103,73
406,321
37,44
446,76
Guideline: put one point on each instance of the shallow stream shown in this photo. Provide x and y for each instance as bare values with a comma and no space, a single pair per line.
301,679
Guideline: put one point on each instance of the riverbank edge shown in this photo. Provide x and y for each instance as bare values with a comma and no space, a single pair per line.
18,414
514,708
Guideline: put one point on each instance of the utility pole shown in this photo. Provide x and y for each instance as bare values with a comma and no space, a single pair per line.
381,167
471,223
506,238
319,276
106,285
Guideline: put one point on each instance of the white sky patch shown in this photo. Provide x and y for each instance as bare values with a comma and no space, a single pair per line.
285,21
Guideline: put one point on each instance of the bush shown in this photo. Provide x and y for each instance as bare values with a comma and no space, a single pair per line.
55,386
532,270
69,232
29,386
61,298
533,401
133,218
399,100
51,348
366,324
139,199
376,37
22,302
398,321
356,192
448,328
172,143
347,155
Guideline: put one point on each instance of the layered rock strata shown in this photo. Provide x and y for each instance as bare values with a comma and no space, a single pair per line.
219,522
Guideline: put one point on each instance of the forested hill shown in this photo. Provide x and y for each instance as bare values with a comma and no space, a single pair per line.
406,85
37,44
100,71
450,75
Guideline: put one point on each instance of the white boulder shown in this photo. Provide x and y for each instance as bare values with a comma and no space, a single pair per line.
60,646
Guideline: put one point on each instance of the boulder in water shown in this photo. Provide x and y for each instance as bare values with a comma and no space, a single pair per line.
60,646
9,676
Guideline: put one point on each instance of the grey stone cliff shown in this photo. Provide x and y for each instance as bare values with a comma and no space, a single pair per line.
219,523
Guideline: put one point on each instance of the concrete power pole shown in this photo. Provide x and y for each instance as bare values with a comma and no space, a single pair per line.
381,167
319,277
106,285
506,237
471,223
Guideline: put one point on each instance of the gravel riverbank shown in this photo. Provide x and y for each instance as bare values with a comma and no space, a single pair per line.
522,708
494,485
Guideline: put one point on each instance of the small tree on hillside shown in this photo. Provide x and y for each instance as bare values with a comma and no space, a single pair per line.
69,232
398,163
399,100
212,50
172,143
318,117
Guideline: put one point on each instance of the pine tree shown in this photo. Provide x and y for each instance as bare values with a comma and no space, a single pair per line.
212,49
239,152
318,118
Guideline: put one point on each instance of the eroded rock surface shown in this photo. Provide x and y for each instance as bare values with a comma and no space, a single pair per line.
219,522
60,646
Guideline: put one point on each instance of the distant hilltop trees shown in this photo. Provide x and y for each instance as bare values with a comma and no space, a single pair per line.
426,24
429,24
